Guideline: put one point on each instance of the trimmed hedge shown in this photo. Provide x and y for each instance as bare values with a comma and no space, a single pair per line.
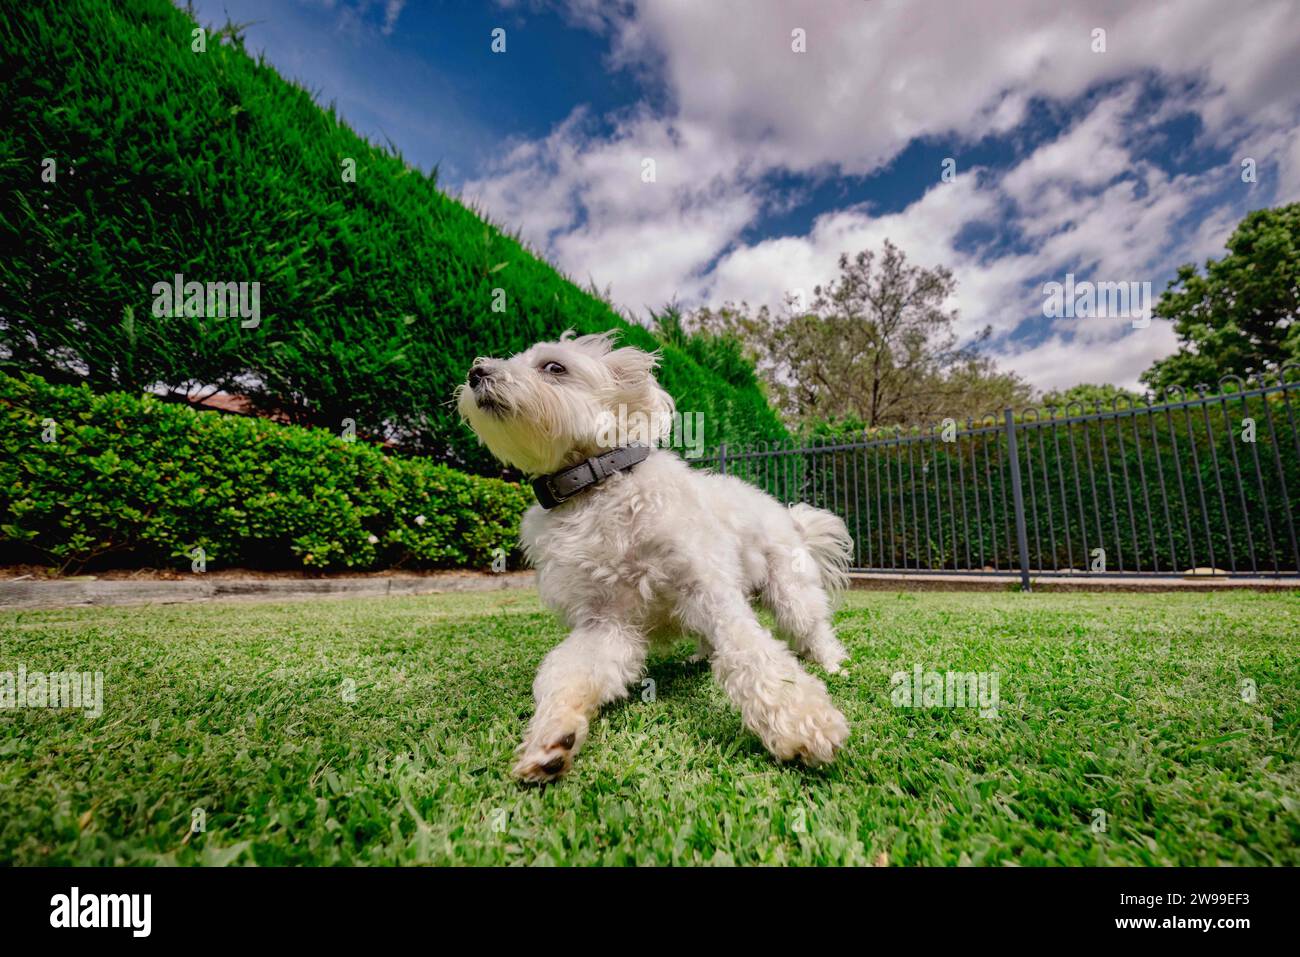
149,481
375,295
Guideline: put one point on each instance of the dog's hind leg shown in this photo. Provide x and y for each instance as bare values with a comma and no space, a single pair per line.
590,668
785,706
795,596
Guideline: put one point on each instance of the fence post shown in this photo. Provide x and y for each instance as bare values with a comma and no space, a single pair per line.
1022,536
722,458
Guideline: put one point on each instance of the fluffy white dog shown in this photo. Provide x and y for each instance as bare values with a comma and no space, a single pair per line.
641,553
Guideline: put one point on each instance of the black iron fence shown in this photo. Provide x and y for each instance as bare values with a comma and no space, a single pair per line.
1201,480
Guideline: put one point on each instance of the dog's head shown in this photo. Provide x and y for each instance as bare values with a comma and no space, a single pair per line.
559,402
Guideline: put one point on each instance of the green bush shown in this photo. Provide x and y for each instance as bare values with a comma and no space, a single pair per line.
375,295
86,476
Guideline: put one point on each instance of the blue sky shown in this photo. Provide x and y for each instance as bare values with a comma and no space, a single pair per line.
1114,156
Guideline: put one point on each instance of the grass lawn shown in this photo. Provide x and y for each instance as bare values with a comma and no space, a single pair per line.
381,731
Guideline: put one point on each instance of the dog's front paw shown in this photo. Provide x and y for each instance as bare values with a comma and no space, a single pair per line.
549,747
830,655
702,651
824,648
804,724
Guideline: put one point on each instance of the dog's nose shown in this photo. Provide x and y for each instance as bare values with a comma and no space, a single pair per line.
477,375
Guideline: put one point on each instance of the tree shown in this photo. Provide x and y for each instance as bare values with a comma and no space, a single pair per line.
1088,395
722,353
1239,316
875,346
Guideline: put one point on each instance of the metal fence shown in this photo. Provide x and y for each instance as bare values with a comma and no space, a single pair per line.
1200,480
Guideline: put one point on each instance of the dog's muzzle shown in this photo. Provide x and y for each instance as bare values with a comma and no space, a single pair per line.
480,383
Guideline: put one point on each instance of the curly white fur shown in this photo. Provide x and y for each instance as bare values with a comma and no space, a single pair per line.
655,551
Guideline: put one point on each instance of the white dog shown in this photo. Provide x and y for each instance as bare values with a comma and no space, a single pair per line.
643,546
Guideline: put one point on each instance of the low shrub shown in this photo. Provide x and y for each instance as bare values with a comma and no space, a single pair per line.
85,476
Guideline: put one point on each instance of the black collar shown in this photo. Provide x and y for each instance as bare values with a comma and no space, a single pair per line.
563,485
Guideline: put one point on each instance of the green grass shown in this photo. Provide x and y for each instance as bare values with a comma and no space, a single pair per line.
1131,704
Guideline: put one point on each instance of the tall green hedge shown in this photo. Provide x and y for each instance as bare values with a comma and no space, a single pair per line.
132,478
375,295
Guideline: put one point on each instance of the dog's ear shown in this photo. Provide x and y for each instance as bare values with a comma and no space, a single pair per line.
631,366
594,344
633,371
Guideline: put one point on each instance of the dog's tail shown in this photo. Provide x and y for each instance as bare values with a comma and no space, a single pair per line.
828,541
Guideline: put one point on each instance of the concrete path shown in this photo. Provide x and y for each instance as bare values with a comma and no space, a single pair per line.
882,581
91,591
64,593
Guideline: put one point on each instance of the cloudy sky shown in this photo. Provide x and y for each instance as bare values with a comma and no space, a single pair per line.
1114,165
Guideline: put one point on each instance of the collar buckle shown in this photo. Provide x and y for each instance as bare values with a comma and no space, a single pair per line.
559,487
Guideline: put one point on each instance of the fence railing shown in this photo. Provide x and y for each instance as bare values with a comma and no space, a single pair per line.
1200,480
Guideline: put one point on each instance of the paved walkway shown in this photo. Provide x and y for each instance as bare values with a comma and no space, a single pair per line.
56,593
881,581
90,591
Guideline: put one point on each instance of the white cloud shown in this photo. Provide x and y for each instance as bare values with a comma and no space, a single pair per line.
876,77
1289,181
392,10
762,273
1090,154
589,204
1095,350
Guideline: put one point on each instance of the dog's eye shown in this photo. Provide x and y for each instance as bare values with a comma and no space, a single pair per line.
553,368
